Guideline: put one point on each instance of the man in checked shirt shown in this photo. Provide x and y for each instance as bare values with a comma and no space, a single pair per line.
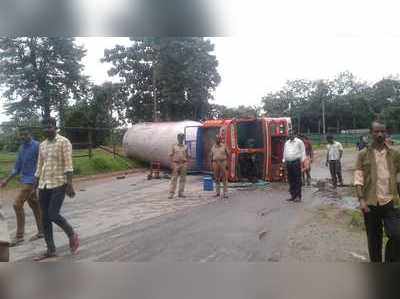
54,180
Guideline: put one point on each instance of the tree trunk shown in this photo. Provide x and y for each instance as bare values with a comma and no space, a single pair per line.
46,109
195,112
319,126
299,124
323,118
337,126
61,115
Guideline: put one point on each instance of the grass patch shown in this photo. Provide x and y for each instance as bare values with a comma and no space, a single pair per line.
7,161
7,157
344,217
356,220
101,162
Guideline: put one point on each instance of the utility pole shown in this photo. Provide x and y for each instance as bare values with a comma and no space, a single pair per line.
319,126
299,124
323,117
154,94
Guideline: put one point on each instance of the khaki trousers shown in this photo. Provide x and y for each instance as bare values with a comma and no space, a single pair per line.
27,194
220,169
179,170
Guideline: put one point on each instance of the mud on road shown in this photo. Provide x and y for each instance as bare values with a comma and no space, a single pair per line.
331,229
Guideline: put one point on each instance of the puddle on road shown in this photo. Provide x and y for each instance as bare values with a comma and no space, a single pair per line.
349,202
249,186
339,196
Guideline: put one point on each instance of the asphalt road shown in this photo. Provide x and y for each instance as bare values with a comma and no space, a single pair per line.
247,228
131,220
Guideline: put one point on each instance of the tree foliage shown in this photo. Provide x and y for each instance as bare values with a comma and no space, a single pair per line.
100,109
40,74
221,111
9,132
181,73
349,102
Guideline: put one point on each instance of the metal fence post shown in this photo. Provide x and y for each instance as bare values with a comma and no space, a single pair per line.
90,142
113,142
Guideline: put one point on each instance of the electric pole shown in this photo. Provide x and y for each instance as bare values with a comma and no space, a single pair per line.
323,117
154,94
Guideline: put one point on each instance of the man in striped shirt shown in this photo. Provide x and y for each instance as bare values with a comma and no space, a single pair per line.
54,180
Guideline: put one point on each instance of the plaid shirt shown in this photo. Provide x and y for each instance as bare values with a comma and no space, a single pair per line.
55,160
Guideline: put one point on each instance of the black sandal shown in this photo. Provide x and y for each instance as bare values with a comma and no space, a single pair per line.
44,256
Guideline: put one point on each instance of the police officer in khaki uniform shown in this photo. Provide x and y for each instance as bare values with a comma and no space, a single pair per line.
179,158
219,160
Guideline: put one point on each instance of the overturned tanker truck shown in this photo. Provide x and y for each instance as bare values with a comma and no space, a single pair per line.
260,140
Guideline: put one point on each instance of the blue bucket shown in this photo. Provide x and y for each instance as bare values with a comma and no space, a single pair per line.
208,183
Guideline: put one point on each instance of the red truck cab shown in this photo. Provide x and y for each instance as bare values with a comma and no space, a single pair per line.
255,146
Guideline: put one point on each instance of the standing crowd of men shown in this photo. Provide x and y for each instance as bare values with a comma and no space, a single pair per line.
376,178
298,155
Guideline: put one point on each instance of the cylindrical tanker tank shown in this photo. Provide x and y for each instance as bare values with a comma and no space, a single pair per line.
153,141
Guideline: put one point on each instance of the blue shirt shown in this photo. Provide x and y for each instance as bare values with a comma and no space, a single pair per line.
27,162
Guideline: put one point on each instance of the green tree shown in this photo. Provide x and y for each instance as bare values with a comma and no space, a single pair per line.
9,132
385,93
391,116
294,100
349,103
180,74
221,111
100,109
40,74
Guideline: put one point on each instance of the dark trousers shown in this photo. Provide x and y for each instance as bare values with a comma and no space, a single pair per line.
51,201
4,253
306,175
335,168
294,178
386,216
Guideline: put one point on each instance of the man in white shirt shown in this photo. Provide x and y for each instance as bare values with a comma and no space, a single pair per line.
333,157
294,154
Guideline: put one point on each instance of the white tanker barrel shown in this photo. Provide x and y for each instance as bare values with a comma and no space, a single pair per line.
153,141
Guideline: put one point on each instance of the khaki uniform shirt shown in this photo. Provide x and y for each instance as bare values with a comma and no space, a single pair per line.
179,153
219,152
55,160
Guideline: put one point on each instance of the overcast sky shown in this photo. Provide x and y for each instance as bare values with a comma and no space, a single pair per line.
285,40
